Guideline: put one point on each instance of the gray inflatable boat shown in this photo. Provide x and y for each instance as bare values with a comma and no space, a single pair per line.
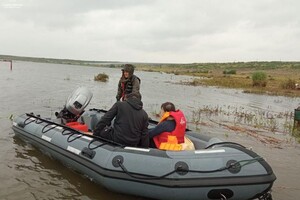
214,170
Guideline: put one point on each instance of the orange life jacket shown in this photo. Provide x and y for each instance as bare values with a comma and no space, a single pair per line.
179,130
171,144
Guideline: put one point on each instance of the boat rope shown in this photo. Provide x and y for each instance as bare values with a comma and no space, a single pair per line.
139,177
266,196
223,197
240,163
221,143
247,162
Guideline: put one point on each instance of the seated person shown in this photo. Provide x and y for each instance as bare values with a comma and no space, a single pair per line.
172,123
130,126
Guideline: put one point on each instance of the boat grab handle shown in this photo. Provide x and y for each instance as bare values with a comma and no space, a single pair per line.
71,133
71,130
45,131
36,120
26,121
75,138
100,145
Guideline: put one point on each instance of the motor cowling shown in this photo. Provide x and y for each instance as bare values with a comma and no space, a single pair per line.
75,105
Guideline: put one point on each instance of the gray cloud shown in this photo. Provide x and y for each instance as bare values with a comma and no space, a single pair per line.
152,31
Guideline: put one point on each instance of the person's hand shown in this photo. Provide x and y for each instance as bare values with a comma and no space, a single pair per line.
88,133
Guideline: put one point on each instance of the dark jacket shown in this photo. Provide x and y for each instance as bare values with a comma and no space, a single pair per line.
165,126
127,86
130,124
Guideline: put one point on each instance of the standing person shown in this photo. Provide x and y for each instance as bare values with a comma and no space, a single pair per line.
128,83
130,126
172,123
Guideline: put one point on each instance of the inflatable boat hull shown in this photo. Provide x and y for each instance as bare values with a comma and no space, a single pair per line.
215,170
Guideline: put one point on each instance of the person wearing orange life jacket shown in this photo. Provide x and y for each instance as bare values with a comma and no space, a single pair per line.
172,123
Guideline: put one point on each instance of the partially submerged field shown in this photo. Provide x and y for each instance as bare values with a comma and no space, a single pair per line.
281,77
281,80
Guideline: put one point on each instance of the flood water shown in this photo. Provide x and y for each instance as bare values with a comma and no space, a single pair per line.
258,121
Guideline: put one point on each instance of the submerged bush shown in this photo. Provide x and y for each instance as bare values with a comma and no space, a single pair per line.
101,77
204,71
259,79
229,71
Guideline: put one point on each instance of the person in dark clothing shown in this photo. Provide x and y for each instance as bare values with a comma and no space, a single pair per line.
166,126
128,83
130,126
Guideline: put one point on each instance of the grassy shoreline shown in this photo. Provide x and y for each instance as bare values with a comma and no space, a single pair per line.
212,74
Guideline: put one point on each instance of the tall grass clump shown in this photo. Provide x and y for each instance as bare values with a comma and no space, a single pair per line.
288,84
296,134
101,77
195,82
259,79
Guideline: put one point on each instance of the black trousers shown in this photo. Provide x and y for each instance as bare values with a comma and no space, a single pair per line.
106,133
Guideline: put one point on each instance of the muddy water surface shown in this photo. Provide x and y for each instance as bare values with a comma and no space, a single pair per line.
261,122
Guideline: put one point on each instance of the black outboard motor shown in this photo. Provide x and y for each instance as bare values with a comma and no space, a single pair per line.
75,105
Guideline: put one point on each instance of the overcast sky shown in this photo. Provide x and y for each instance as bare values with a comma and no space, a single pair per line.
173,31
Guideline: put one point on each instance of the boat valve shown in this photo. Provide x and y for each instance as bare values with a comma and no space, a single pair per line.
116,161
181,168
233,166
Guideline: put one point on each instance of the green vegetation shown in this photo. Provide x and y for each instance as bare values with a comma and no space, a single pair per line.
229,71
252,77
259,79
101,77
296,134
